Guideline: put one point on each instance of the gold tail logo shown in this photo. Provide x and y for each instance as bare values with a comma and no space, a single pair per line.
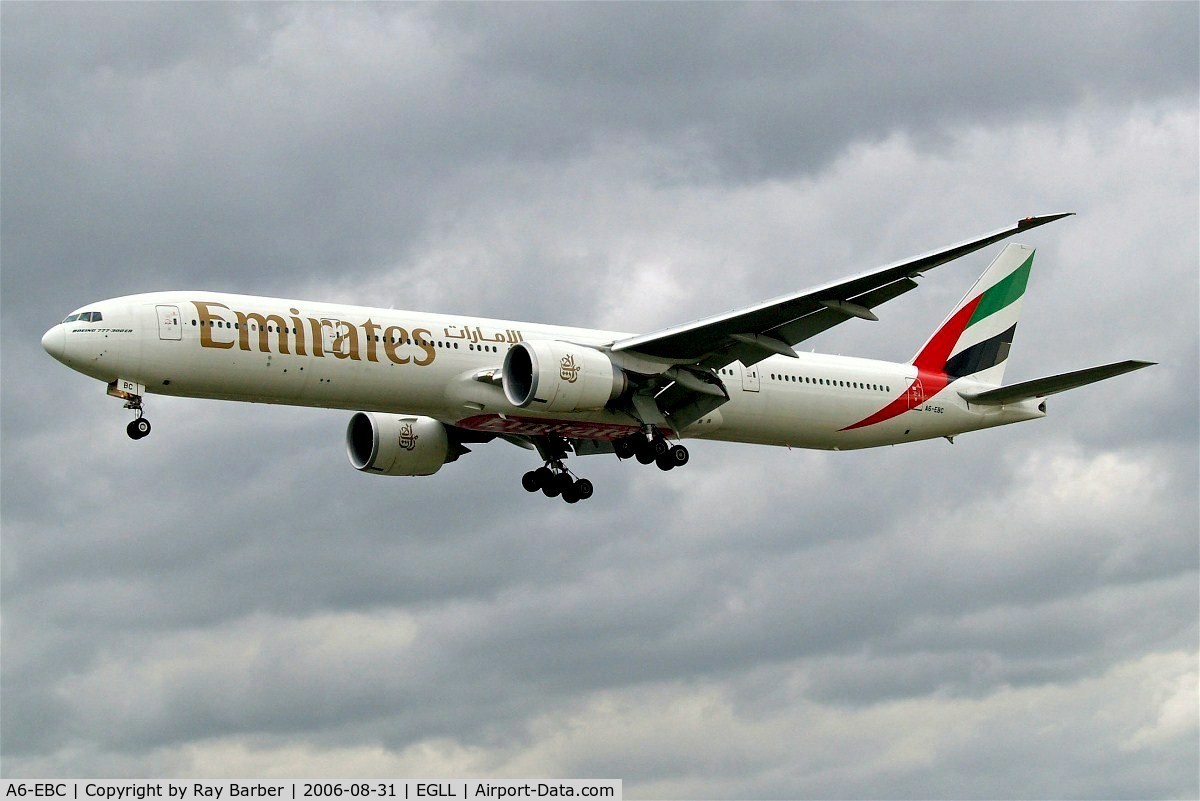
568,370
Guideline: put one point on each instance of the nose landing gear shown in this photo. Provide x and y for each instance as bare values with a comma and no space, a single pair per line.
131,393
138,427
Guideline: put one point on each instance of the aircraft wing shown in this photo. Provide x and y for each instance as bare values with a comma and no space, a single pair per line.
1041,387
753,333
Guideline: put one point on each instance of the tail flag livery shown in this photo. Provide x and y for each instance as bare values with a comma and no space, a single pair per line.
975,339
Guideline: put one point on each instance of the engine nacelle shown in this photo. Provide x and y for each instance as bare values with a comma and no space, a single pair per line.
387,445
560,377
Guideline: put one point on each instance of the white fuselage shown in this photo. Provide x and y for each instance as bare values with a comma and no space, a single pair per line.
302,353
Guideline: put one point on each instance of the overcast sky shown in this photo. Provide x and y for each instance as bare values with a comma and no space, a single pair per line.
1011,616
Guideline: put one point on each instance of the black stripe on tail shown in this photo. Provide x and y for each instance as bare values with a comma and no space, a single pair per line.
981,355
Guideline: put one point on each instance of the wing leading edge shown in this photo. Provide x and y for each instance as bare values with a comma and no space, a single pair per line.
774,326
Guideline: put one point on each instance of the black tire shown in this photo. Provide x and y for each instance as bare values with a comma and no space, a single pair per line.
664,462
660,447
531,481
625,447
565,482
570,495
583,489
138,428
645,454
678,455
551,490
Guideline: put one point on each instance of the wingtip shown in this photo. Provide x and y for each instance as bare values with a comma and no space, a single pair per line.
1035,221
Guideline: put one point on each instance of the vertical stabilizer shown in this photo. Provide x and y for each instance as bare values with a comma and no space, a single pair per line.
975,339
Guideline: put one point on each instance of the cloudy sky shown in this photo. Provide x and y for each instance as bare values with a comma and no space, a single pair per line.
1012,616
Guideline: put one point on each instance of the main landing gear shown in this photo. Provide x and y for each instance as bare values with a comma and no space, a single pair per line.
554,480
651,448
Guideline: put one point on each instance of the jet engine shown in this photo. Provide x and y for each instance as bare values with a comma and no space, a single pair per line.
556,376
388,445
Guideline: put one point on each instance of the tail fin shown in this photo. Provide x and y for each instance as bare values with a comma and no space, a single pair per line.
975,339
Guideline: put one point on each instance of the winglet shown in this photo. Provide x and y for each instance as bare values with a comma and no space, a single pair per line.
1034,222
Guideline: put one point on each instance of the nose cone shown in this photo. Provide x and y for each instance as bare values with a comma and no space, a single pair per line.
54,342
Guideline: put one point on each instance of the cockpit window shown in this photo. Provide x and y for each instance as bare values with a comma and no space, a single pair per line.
85,317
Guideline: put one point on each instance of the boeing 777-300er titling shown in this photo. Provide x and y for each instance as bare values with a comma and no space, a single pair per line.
425,386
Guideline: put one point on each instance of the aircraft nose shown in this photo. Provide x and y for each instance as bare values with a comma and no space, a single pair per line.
54,342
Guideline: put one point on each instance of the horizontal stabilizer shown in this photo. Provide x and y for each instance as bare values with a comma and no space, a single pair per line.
1041,387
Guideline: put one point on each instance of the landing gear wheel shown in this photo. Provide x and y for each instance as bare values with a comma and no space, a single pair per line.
664,462
659,447
625,447
678,456
583,489
138,428
571,494
531,481
645,454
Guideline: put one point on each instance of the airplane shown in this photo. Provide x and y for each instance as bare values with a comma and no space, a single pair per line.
423,387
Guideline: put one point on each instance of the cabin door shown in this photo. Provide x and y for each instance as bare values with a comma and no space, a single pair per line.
169,325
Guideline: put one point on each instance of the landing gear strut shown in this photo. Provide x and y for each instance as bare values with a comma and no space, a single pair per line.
554,480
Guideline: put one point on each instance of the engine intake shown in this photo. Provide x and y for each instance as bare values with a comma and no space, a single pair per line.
560,377
387,445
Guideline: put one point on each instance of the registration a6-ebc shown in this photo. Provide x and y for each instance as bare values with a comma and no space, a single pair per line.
36,790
